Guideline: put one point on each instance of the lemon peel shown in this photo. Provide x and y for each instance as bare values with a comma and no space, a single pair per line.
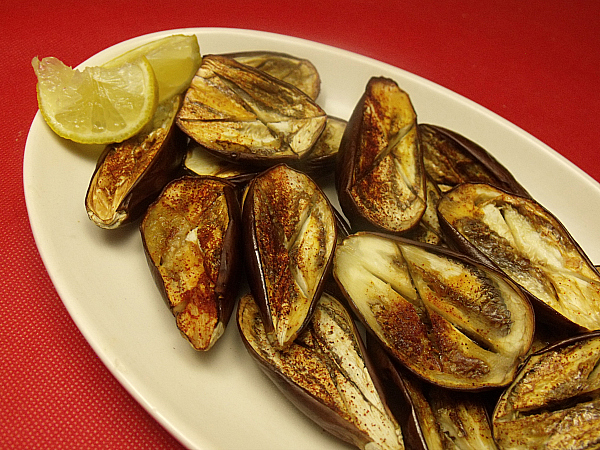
175,60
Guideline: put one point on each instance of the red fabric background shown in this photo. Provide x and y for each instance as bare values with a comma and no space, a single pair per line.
536,63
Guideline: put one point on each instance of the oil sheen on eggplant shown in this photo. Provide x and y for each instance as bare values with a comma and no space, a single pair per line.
554,402
451,159
245,115
290,231
326,374
191,238
448,319
530,245
129,175
380,179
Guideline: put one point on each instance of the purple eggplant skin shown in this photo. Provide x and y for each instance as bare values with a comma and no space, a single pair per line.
395,391
227,261
164,166
269,262
311,396
382,119
475,164
458,241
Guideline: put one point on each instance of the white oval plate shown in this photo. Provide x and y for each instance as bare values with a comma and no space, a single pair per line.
221,400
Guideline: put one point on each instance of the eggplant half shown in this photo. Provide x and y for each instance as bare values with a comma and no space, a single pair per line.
326,374
380,179
191,236
320,161
130,175
200,162
243,114
428,229
290,232
554,402
296,71
451,159
432,417
528,243
322,158
448,319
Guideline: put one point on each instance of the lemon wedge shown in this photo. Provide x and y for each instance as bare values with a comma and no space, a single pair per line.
97,105
174,59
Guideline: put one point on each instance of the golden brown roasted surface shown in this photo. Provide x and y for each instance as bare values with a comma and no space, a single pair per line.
554,401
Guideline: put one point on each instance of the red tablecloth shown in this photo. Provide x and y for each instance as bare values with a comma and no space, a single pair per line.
536,63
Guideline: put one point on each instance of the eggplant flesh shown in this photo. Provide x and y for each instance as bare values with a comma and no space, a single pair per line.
296,71
530,245
322,158
290,231
130,175
449,320
245,115
325,374
320,161
190,236
452,159
554,402
450,420
198,161
380,179
431,417
428,230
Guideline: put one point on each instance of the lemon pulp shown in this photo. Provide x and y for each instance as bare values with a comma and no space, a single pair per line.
97,105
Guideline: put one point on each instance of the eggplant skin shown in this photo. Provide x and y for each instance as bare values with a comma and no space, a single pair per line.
530,245
289,237
191,236
449,320
130,175
380,178
554,402
451,159
326,373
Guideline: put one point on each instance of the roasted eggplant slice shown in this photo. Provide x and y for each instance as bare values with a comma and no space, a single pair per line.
322,158
530,245
296,71
191,237
431,417
451,159
245,115
130,175
428,229
380,179
199,161
290,232
448,319
554,402
326,374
